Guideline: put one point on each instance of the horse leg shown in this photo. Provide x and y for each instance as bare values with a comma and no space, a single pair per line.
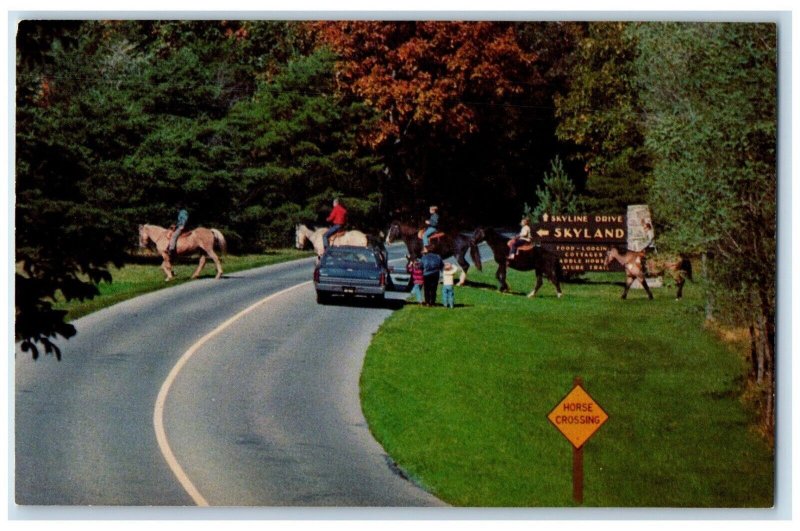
537,286
166,266
501,277
628,282
557,283
679,281
646,287
217,263
200,266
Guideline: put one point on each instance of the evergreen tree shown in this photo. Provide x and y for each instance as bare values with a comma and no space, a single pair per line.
557,195
295,146
116,122
72,124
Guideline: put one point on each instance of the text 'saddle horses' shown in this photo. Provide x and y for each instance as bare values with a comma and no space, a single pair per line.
199,240
536,259
638,266
446,245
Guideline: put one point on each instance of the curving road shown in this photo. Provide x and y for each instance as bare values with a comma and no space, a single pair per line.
264,411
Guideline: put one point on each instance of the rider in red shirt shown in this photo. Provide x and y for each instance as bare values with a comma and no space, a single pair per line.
338,217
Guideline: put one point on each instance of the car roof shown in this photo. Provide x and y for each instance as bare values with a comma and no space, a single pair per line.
348,248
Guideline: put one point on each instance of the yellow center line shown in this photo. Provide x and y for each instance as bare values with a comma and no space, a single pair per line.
158,413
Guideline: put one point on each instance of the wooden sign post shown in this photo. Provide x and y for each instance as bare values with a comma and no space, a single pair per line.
577,417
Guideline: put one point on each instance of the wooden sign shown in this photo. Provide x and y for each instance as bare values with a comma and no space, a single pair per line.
582,228
581,241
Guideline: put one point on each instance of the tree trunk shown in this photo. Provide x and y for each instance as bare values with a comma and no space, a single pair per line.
767,340
753,353
709,293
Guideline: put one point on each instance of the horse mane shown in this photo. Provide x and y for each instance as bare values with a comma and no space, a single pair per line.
491,236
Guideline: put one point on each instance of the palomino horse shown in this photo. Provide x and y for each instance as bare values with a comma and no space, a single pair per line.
537,259
350,237
447,245
199,240
637,266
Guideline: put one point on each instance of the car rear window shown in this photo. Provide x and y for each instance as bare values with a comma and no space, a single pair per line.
350,256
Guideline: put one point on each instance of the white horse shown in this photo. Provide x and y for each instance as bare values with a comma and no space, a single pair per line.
350,237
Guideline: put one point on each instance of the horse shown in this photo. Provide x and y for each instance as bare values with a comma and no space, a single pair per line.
200,240
542,261
637,265
445,245
304,234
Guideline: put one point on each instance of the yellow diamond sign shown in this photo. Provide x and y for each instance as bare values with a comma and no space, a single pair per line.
578,416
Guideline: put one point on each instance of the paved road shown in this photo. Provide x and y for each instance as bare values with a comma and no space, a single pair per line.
265,412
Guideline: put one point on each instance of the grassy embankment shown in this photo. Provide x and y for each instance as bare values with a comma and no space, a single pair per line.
459,398
146,276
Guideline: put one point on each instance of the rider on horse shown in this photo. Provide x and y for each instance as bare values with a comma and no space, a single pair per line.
183,218
524,237
338,217
432,223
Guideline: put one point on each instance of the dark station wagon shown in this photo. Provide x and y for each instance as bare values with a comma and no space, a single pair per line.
348,271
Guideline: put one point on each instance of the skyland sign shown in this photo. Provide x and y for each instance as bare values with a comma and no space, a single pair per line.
581,241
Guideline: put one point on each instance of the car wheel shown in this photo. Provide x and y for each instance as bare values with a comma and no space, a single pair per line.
323,298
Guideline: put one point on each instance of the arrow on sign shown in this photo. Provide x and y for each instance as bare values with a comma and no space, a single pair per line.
543,232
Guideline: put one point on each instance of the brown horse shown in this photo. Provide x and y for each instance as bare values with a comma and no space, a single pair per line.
637,266
446,244
199,240
537,259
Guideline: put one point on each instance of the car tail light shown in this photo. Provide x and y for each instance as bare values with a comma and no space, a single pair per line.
383,278
316,274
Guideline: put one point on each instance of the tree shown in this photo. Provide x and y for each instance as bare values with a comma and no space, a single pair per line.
294,146
436,86
601,113
195,74
557,195
709,91
116,121
67,234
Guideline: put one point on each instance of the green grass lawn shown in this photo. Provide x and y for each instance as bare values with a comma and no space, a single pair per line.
459,398
138,278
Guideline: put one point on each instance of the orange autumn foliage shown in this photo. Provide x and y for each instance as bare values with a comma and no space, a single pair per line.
435,73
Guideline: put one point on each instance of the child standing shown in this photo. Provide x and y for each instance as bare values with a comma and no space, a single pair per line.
448,292
415,268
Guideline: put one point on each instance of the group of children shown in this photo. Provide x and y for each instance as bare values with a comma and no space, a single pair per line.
425,282
425,269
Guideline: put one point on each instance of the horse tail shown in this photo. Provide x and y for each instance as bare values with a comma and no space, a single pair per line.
219,240
476,256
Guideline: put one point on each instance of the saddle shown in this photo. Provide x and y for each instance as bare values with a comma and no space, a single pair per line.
522,249
339,233
433,236
183,234
525,248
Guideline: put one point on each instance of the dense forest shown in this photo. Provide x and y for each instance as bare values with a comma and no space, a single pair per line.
255,126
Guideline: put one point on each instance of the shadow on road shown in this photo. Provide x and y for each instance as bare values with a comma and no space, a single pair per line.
358,302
